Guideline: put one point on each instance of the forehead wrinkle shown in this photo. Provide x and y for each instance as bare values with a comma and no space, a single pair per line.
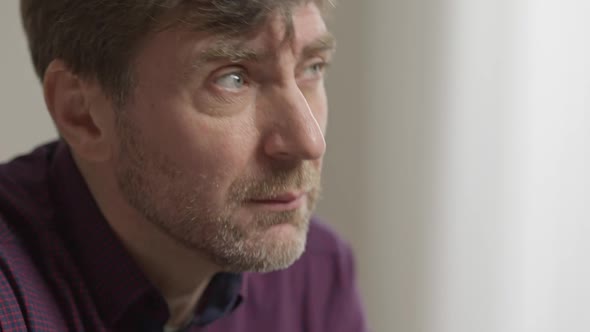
228,50
237,51
232,49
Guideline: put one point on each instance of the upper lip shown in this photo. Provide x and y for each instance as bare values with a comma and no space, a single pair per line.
285,197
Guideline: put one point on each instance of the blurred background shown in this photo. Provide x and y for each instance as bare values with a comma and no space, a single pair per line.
458,163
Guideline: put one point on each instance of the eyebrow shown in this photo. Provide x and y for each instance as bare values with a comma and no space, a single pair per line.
325,43
236,51
229,50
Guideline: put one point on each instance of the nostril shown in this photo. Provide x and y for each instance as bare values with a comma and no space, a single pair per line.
295,144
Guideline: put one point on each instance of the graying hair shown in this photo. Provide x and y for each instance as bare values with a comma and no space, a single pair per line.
98,39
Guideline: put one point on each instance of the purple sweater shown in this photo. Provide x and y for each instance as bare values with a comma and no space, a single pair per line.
63,269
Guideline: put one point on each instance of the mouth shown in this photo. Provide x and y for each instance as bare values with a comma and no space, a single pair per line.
282,202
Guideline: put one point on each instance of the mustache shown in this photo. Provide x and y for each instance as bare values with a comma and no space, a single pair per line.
304,177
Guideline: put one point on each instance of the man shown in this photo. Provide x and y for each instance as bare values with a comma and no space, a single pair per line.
180,193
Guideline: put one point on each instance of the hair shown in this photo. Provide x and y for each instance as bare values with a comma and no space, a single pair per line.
99,39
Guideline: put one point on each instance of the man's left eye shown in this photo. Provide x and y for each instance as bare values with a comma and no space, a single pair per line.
315,70
231,81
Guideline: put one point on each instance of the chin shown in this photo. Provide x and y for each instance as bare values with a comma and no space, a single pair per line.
287,232
283,245
275,248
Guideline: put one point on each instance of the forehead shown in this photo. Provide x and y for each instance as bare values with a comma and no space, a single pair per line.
303,23
304,26
230,16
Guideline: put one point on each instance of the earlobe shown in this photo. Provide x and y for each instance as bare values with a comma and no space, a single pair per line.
69,101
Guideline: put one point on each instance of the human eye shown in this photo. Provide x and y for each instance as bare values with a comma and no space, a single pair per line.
315,70
232,81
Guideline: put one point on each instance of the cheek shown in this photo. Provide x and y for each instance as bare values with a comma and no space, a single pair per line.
202,146
208,149
213,151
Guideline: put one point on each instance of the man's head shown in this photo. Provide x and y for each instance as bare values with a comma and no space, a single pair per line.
99,39
208,115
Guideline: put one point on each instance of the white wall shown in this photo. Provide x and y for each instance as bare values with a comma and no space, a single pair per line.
553,178
477,252
381,161
473,191
24,123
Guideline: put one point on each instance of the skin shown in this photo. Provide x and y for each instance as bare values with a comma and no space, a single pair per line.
214,163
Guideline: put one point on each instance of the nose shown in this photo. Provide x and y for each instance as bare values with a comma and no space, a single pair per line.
294,132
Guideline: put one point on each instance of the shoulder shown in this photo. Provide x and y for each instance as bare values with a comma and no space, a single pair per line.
327,252
24,190
323,240
325,280
26,170
26,300
334,300
327,263
11,314
318,292
23,207
13,261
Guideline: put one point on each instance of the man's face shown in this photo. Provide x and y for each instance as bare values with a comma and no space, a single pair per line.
221,144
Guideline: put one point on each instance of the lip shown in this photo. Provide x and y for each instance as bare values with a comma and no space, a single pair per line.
282,202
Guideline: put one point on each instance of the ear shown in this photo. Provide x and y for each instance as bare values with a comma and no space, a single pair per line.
82,113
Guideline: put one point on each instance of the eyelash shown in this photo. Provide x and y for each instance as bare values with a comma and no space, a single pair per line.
322,64
242,73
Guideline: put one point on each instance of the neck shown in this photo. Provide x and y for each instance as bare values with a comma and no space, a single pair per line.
179,273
